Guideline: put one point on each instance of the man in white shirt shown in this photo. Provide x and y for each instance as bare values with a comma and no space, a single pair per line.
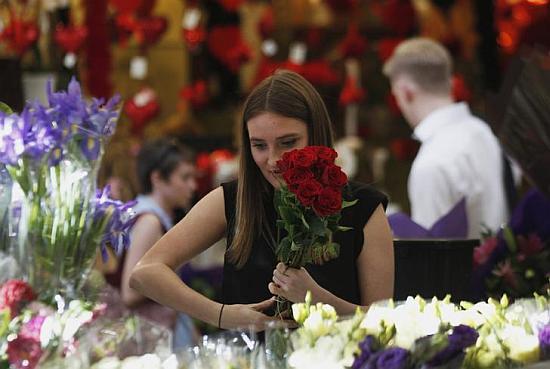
459,156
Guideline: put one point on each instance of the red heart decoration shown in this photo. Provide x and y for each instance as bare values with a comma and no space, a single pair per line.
196,94
143,107
70,38
20,35
149,29
353,45
227,45
194,37
125,27
126,6
351,93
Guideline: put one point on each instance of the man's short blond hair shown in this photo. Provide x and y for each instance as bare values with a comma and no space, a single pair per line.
425,61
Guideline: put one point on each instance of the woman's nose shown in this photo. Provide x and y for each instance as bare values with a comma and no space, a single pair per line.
273,158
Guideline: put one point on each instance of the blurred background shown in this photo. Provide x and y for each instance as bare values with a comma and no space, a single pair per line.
183,68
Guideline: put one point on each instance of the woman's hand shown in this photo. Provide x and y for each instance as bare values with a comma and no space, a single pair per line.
292,283
239,315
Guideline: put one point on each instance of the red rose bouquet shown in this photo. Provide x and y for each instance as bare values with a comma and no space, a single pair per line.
309,203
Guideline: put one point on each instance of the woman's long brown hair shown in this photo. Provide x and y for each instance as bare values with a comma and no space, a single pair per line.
290,95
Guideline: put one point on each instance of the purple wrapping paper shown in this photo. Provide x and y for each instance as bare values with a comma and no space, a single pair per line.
454,224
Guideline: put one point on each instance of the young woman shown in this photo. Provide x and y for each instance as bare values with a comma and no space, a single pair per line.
282,113
166,174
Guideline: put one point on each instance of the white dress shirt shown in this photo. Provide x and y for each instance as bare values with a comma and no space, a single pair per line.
459,157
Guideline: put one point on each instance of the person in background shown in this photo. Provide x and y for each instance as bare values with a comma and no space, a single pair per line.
284,112
459,156
166,174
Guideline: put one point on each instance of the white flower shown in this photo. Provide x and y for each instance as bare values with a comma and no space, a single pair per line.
326,354
524,347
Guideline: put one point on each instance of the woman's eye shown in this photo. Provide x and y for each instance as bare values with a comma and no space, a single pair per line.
289,143
258,146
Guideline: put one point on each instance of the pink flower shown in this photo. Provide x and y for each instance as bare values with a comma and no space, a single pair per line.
506,272
24,352
529,246
13,294
483,251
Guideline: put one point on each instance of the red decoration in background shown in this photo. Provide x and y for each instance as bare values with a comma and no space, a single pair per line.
319,72
141,108
398,16
70,38
351,93
231,5
148,30
353,45
207,165
266,26
227,45
193,37
265,69
98,52
125,6
314,37
342,5
145,8
391,102
460,90
196,94
386,47
404,148
20,35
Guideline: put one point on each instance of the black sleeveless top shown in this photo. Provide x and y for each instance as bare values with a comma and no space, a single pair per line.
248,285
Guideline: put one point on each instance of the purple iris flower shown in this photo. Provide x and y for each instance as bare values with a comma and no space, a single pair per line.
90,146
544,342
461,337
121,218
393,358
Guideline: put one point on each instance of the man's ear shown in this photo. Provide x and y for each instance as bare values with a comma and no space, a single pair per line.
155,177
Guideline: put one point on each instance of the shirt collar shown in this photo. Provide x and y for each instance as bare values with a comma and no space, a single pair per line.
439,119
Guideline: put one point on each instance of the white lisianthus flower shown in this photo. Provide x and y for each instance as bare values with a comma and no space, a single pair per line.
316,325
524,347
373,318
411,323
326,354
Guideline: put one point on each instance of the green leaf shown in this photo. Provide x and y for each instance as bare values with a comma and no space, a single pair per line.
287,214
4,108
347,204
510,239
316,225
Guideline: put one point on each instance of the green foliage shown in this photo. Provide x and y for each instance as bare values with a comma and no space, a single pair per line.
4,108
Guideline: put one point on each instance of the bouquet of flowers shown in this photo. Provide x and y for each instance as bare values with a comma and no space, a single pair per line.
32,333
423,334
55,218
516,260
309,203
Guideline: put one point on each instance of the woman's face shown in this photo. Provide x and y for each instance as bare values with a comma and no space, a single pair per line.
271,135
179,188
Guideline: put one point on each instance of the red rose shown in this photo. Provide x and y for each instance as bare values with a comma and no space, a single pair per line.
304,158
328,202
326,155
287,161
13,293
297,175
308,191
333,176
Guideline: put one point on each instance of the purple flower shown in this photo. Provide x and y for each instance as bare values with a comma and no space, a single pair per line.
114,219
393,358
367,347
25,351
90,145
544,342
461,337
